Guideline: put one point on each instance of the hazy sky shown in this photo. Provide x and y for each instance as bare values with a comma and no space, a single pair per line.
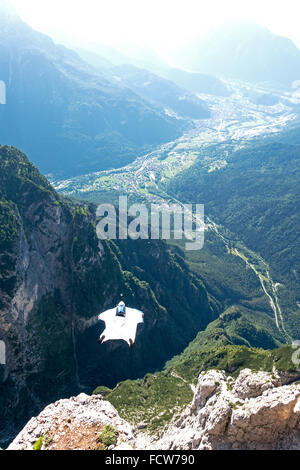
160,24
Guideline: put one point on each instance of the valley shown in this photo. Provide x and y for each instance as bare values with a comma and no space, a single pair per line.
216,329
236,123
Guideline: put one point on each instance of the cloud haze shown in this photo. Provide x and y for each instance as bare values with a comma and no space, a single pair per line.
160,24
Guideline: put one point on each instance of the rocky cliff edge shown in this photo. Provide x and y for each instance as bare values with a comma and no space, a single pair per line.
254,411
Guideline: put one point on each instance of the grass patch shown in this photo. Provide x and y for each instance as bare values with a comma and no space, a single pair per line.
152,400
108,436
38,444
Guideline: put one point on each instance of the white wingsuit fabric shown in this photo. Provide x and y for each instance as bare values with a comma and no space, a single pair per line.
121,327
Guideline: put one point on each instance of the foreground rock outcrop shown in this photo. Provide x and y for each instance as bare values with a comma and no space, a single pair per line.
75,424
255,411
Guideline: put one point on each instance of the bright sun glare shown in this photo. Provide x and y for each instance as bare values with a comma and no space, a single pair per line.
159,24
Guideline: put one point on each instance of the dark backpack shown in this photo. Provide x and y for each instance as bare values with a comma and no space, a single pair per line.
121,311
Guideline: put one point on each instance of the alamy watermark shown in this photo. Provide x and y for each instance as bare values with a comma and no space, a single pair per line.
140,221
2,353
2,92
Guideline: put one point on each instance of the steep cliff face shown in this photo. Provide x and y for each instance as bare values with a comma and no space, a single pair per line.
55,277
37,321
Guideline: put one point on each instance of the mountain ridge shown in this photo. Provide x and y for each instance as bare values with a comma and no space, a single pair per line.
74,120
231,51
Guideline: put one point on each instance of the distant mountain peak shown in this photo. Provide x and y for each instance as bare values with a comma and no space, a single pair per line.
244,50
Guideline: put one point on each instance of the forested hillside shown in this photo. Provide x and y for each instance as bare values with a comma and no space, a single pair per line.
256,197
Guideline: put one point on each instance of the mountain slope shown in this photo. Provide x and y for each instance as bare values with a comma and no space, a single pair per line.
256,198
160,91
66,114
196,82
245,51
